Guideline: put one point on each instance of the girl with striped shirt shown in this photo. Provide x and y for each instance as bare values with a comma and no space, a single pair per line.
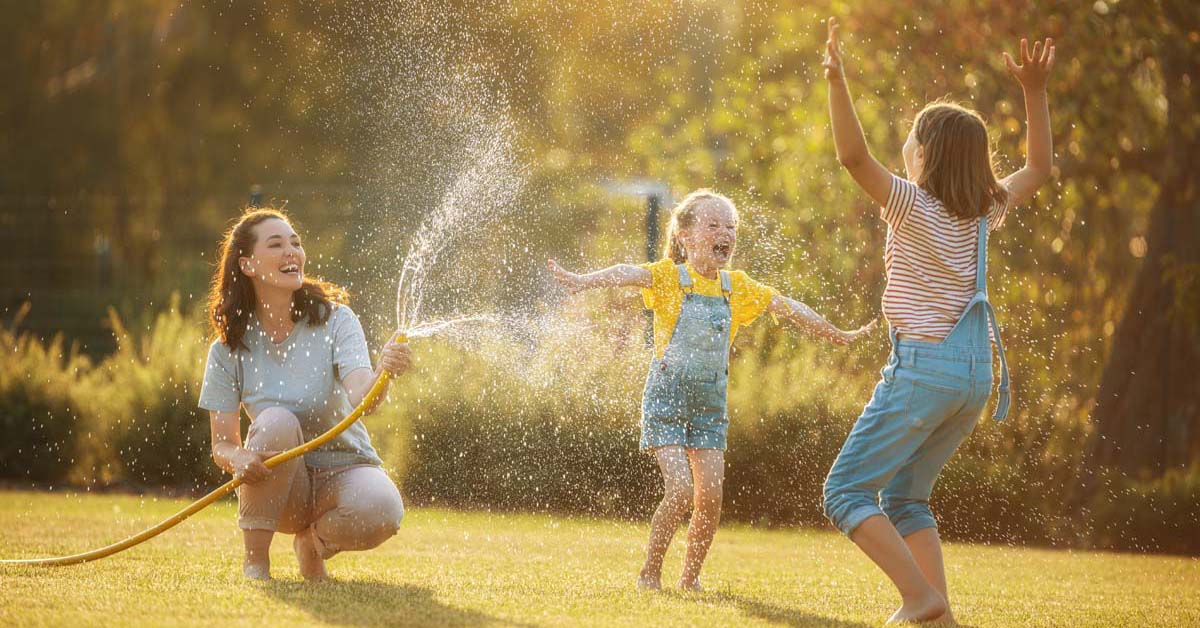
939,375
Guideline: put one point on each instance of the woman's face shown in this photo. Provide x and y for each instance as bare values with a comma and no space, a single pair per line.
711,240
914,156
278,258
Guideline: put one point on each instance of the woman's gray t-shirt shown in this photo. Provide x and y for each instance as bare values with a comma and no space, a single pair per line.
303,374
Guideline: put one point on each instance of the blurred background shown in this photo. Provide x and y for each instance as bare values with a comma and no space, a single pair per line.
135,131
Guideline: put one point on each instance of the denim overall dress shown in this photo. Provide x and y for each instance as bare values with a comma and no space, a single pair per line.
684,399
925,405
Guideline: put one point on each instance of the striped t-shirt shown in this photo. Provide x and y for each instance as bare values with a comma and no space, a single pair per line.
930,261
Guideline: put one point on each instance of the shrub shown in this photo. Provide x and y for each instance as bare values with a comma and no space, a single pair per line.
38,412
1158,515
150,389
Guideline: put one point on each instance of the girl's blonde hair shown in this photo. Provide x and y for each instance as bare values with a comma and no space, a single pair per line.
958,160
683,216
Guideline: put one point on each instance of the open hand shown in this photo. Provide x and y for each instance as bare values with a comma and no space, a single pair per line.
848,337
566,279
1035,66
833,52
396,356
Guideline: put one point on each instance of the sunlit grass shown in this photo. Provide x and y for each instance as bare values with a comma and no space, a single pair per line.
449,567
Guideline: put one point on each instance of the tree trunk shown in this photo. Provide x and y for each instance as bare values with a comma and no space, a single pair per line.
1147,414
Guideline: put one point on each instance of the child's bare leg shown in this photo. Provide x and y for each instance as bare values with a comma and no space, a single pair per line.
257,564
677,497
926,548
878,539
708,476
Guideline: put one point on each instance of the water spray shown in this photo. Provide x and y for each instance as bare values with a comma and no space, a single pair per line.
489,180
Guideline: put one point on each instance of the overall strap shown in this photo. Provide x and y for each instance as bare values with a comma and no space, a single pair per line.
726,286
981,257
685,279
1003,394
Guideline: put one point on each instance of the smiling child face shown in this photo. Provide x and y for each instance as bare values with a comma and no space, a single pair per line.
710,241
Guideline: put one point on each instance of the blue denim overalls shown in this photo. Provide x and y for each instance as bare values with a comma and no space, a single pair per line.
926,404
684,399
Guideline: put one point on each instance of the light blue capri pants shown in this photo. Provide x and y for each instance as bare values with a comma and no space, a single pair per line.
927,402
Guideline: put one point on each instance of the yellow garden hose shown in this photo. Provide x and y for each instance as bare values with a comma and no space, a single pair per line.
225,489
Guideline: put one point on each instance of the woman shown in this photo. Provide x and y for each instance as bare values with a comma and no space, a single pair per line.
291,352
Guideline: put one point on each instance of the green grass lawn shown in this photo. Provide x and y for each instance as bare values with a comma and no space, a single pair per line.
449,567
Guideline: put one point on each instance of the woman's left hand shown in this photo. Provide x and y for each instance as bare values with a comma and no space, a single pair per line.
396,357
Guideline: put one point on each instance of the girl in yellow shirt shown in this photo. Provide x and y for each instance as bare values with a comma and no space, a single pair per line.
698,307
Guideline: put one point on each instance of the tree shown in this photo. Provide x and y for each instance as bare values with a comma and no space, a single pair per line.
1147,414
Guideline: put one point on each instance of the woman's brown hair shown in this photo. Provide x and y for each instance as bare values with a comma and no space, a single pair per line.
683,216
958,160
231,296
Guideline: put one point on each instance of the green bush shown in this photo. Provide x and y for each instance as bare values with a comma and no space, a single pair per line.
509,436
39,416
1159,515
487,423
151,386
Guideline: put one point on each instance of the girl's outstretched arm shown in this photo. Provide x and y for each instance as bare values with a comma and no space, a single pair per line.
852,151
809,321
1033,74
611,277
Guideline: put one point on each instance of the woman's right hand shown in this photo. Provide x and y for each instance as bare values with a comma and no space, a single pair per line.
396,357
249,465
572,282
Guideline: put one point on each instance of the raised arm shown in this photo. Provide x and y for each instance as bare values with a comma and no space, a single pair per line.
812,323
616,276
1033,73
852,151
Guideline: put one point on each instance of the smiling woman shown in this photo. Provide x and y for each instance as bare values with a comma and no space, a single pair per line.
291,352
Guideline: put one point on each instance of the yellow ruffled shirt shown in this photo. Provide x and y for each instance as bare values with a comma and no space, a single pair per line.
664,297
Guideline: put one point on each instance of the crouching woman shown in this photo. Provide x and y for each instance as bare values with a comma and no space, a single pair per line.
291,352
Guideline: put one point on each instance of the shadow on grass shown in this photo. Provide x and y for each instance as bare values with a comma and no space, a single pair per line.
376,604
770,612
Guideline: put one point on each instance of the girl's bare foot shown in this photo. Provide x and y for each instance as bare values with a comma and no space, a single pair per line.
308,554
256,571
929,608
693,587
648,581
649,584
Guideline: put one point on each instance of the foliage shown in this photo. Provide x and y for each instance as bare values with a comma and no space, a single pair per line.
39,412
153,381
1155,515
